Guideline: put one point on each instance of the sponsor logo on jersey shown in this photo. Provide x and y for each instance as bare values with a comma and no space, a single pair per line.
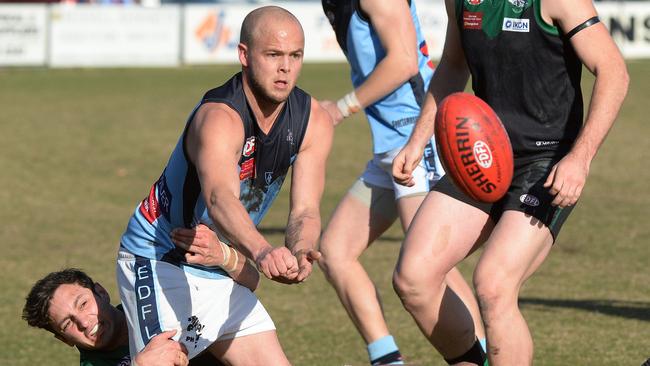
516,25
424,49
482,154
249,147
158,202
474,2
247,169
529,199
547,143
472,20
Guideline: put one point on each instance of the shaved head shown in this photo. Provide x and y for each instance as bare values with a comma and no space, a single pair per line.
253,24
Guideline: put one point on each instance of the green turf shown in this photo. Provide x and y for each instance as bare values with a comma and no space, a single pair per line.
79,148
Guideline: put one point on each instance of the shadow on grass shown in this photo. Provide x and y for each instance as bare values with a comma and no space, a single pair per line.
638,310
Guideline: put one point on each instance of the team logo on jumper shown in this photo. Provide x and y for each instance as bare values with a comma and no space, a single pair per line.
518,3
194,325
516,25
482,154
268,177
529,199
249,147
474,2
472,19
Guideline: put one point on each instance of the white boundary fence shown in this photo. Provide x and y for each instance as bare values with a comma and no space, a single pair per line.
62,35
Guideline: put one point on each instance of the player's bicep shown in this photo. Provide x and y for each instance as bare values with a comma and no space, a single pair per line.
308,172
391,19
590,39
452,52
214,142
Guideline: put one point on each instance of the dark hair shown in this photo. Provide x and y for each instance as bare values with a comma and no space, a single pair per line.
37,302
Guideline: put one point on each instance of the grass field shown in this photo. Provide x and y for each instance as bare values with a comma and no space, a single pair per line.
79,149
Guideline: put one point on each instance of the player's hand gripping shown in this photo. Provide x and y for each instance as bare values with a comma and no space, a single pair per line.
405,162
306,258
163,351
567,178
278,264
332,110
201,244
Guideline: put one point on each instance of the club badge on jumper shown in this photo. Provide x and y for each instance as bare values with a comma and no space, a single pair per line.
516,25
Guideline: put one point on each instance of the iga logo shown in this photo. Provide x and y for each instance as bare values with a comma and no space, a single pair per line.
516,25
529,199
474,2
249,147
482,154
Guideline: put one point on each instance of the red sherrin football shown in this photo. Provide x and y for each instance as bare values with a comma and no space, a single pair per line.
474,147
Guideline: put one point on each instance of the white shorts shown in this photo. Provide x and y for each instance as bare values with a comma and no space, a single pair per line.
379,172
158,296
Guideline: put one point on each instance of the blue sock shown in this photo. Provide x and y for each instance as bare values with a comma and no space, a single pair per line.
384,351
483,343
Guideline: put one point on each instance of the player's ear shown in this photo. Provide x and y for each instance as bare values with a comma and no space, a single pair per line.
62,339
242,50
101,292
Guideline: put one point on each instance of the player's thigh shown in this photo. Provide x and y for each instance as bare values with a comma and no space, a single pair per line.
363,214
517,246
443,232
256,349
407,207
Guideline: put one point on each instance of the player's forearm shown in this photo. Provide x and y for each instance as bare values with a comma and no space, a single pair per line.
303,230
446,80
245,274
233,221
610,89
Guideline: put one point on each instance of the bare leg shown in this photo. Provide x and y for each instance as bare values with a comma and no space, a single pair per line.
352,228
516,247
407,207
435,243
260,349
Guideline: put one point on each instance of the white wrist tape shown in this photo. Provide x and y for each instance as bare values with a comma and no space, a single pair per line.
230,257
349,104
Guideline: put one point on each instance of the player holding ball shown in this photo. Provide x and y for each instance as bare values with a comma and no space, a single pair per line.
525,58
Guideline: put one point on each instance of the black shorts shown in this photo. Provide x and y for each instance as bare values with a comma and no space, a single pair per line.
526,194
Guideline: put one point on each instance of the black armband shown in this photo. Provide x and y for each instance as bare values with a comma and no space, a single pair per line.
587,23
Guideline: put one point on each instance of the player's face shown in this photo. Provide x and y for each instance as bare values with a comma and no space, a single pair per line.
274,61
82,318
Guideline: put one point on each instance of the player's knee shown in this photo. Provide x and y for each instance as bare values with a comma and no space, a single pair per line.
409,288
495,292
331,261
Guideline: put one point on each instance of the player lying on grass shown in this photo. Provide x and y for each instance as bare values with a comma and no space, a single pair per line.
78,311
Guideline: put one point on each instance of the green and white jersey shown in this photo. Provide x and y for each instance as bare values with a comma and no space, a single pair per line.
526,70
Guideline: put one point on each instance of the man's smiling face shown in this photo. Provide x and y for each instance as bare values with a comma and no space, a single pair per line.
83,318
